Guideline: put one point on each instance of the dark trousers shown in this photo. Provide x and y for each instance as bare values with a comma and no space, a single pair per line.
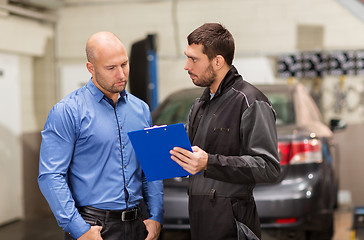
113,228
215,219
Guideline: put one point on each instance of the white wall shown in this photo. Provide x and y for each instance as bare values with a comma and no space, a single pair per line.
11,206
23,36
22,40
72,77
260,28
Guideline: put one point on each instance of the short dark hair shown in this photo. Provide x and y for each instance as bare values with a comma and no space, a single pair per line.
216,40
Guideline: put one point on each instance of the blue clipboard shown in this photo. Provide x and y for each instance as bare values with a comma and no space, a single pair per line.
152,146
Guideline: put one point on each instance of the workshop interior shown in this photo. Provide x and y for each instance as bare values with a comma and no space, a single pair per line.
306,55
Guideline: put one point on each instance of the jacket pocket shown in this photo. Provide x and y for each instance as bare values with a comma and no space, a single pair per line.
244,232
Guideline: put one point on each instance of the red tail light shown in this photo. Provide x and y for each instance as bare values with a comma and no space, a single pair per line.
286,220
300,152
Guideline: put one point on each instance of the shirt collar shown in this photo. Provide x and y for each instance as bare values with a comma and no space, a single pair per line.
100,95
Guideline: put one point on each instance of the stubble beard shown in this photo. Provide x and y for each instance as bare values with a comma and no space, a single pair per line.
207,78
109,88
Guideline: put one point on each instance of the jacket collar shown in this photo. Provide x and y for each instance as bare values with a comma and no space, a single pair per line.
228,81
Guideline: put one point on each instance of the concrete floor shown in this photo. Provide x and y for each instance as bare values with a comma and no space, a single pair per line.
343,224
47,229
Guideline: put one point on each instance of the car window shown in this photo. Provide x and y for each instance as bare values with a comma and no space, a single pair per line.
175,111
283,106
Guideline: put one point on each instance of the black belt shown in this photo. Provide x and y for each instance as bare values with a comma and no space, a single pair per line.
123,215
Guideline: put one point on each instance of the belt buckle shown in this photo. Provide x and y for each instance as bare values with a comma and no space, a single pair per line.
125,215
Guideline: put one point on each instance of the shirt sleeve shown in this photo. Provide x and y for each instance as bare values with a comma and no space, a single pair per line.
260,161
56,151
153,197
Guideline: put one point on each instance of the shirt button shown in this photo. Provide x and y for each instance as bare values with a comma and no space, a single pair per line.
121,128
123,147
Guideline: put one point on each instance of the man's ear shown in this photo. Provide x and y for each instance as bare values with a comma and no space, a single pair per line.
90,68
219,62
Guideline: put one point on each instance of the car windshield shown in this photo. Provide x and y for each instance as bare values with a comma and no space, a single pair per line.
176,109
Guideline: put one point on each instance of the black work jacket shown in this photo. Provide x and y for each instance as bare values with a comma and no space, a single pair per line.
237,129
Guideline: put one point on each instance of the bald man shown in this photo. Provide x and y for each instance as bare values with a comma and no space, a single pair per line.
88,170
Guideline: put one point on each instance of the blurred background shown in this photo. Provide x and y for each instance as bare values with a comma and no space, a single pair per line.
319,43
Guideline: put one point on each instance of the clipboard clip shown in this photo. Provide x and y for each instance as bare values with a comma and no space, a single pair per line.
155,126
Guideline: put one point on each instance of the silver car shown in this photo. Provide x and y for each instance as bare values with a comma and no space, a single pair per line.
301,204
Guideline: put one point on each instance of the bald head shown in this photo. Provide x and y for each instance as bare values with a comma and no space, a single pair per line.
108,63
98,42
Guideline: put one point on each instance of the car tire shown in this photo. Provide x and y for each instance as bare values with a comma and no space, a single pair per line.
324,234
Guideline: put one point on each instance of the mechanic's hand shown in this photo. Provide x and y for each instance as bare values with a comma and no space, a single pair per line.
94,233
153,228
193,162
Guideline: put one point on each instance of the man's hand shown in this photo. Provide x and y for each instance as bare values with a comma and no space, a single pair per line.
153,228
193,162
94,233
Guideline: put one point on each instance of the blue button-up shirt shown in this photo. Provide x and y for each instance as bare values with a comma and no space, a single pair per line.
86,157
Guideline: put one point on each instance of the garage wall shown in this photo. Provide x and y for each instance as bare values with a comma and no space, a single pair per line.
26,97
11,206
351,165
260,28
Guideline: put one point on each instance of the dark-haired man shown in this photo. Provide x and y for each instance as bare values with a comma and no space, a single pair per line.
233,133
